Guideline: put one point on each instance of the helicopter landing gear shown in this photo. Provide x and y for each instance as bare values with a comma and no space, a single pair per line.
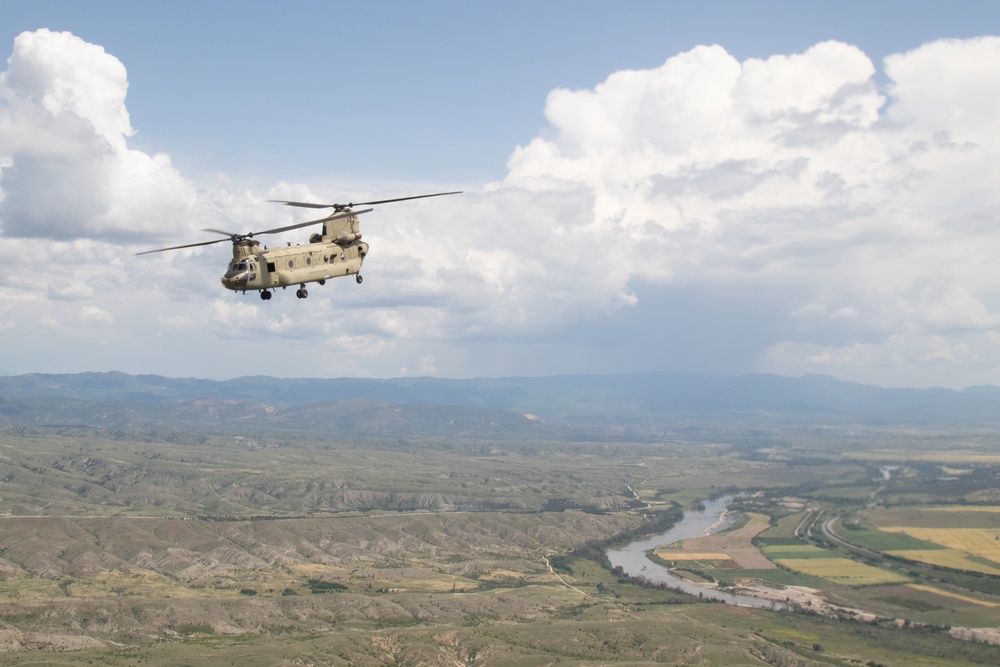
301,293
358,278
265,295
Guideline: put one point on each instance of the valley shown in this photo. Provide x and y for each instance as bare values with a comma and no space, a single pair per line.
219,538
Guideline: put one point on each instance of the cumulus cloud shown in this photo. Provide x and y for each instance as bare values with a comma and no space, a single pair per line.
798,174
67,170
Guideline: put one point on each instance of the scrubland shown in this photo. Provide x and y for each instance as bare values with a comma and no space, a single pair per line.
256,548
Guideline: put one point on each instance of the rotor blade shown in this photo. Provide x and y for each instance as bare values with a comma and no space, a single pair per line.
302,204
178,247
335,216
219,231
360,203
387,201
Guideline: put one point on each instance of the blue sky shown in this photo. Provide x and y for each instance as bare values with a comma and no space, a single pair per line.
432,91
635,197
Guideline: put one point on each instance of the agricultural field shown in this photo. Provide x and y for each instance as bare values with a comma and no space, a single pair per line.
731,549
958,537
923,572
831,567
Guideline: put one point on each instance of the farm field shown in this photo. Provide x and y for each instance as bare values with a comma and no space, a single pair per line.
882,586
840,570
960,537
730,549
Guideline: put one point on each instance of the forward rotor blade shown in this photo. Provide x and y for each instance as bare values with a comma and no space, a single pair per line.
302,204
219,231
236,237
335,216
178,247
360,203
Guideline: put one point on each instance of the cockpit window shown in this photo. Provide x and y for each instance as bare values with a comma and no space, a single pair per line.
240,266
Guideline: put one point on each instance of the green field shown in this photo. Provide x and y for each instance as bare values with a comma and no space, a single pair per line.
883,541
797,551
841,571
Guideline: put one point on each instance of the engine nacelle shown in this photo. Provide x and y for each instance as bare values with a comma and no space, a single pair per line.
245,248
343,238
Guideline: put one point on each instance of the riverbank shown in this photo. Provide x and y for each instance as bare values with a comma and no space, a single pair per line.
700,536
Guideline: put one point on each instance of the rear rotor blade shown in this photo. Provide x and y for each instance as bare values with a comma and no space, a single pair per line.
335,216
387,201
341,207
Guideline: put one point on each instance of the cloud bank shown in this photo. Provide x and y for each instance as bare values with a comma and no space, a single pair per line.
787,215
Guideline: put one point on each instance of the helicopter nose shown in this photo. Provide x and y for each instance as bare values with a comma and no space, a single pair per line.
235,281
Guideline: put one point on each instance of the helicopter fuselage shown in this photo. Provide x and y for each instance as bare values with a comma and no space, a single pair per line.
326,256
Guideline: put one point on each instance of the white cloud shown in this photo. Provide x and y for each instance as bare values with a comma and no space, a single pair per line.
94,316
799,169
67,169
425,367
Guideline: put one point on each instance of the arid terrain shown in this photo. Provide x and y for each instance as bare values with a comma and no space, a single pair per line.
216,540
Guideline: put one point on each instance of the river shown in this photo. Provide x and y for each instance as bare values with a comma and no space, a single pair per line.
633,560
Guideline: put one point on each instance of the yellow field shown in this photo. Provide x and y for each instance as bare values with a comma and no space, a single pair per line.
964,508
842,571
675,554
954,596
962,544
952,558
980,542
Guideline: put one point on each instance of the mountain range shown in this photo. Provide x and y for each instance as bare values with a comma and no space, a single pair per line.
631,405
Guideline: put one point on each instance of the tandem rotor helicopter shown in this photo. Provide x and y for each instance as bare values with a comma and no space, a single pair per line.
337,251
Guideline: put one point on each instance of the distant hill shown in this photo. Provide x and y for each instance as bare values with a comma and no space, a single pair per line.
558,406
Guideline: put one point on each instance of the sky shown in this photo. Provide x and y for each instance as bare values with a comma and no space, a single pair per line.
719,187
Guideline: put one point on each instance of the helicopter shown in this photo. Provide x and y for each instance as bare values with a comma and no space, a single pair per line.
335,252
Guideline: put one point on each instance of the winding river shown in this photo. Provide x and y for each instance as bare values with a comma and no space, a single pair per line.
633,560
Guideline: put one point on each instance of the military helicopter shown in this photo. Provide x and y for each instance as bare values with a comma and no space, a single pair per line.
337,251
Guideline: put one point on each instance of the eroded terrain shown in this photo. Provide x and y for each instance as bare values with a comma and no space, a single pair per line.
255,548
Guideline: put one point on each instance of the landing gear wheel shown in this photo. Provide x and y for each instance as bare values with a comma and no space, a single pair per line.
358,278
301,293
265,295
